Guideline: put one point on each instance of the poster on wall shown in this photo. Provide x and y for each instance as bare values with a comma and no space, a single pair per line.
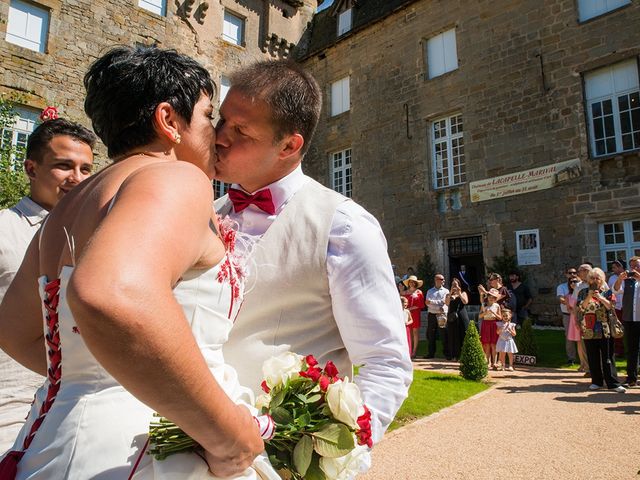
528,247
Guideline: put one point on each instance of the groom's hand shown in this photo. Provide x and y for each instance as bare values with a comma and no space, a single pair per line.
243,445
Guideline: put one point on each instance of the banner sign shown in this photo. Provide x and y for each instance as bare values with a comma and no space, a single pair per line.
526,181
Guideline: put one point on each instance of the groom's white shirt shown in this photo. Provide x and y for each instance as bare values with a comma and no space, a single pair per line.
356,256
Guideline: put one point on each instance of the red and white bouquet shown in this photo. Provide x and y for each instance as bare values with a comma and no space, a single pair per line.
322,427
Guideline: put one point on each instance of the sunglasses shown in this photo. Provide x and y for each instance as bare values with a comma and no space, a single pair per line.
572,272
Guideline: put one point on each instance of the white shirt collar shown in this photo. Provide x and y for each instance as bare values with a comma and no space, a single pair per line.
282,190
33,212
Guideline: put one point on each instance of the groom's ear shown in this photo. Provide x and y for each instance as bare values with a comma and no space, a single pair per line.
291,146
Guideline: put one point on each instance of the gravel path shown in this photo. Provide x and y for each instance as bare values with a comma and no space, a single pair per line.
533,423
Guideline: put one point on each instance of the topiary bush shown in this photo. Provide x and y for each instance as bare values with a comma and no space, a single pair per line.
473,363
525,340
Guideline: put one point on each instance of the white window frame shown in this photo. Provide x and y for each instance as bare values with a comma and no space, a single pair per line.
17,135
588,9
340,96
447,151
341,172
225,85
220,188
606,87
228,20
159,7
28,25
442,54
619,250
345,20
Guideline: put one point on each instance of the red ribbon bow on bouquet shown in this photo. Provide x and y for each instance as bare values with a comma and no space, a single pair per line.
262,199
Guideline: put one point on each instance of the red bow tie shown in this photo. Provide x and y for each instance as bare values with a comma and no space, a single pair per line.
261,199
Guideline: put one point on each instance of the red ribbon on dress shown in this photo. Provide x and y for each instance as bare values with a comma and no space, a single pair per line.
262,199
9,465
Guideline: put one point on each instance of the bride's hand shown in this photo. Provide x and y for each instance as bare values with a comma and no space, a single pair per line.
234,456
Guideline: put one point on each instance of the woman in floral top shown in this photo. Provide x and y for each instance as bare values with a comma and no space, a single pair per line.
593,305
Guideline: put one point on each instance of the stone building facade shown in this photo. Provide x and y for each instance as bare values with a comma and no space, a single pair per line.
464,126
47,45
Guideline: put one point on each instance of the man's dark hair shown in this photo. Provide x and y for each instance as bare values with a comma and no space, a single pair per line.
517,274
292,95
125,86
46,131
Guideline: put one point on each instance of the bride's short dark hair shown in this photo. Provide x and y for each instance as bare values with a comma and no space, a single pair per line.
125,86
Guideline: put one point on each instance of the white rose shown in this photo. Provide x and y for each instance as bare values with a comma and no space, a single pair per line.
262,401
277,370
355,462
345,402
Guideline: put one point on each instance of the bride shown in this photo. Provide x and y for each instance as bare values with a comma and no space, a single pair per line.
138,293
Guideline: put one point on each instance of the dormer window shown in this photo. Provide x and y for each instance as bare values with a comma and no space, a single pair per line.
344,22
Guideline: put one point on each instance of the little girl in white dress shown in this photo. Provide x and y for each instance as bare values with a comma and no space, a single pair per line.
506,345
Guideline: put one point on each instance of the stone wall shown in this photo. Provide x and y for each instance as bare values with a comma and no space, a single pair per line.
519,88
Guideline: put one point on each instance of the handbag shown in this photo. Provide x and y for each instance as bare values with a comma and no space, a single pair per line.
615,325
442,319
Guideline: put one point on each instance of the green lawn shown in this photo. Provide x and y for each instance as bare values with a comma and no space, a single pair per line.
431,392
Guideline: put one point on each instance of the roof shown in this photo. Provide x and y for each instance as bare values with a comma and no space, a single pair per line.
323,29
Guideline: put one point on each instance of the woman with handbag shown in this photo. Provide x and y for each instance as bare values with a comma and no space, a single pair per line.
457,318
595,304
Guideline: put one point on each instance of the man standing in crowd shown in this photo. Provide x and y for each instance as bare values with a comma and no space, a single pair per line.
562,291
523,297
58,157
321,281
631,316
435,301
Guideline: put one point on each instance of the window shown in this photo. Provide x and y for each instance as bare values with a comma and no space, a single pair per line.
594,8
27,25
18,134
613,107
447,151
442,56
233,28
344,22
159,7
220,188
341,172
619,241
340,96
225,85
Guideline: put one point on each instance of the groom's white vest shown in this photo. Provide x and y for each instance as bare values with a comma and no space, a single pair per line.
287,306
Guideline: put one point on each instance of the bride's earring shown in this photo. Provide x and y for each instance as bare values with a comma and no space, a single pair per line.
177,138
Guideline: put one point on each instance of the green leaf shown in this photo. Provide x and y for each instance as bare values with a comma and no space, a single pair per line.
303,420
276,400
334,440
314,398
302,454
281,416
314,472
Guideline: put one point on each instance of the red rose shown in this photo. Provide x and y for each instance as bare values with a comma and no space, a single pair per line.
364,433
324,383
311,360
313,373
331,370
49,113
265,387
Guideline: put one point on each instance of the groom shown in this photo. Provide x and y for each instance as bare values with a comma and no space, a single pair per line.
320,280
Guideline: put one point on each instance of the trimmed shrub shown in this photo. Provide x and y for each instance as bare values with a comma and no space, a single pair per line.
473,363
525,340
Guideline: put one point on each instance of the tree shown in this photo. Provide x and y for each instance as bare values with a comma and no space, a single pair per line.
473,363
425,270
13,181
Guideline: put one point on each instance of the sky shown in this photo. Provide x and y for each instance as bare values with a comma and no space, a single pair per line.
327,3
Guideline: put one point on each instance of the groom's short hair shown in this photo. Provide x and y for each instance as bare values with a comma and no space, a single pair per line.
292,95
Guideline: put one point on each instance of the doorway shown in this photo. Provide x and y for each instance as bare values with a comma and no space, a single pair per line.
466,263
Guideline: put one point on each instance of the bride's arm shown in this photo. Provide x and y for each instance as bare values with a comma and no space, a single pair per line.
121,297
21,327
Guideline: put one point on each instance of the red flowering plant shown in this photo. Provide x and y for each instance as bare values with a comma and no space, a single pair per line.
322,427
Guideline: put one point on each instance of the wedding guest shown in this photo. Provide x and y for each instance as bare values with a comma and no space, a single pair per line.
457,318
561,292
344,307
628,283
523,296
490,315
617,267
132,326
506,345
573,330
436,305
416,303
408,320
495,281
593,303
58,157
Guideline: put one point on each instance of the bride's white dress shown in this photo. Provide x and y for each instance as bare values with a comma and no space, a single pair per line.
91,427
